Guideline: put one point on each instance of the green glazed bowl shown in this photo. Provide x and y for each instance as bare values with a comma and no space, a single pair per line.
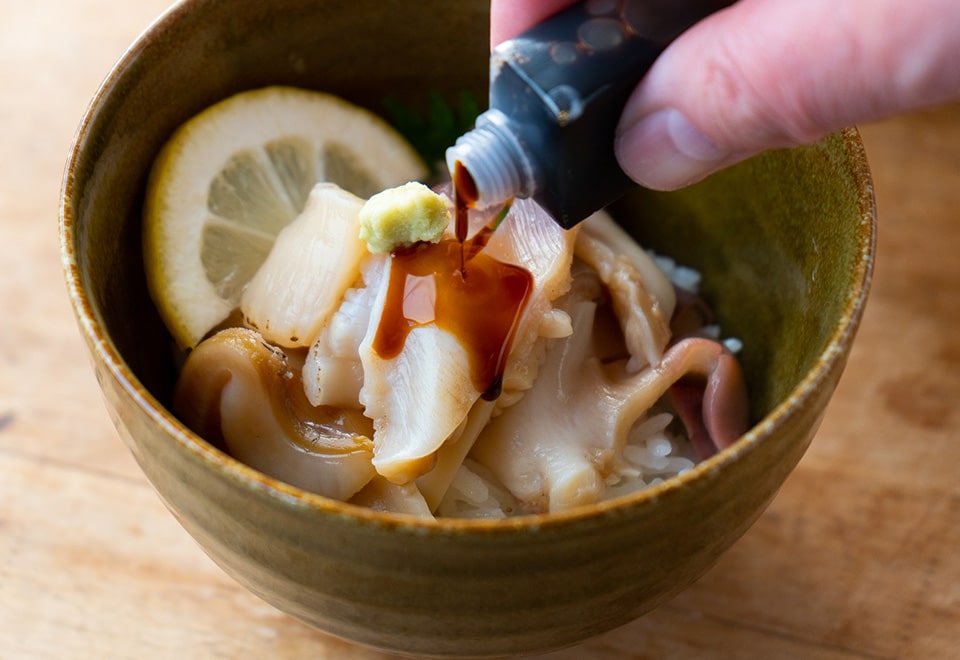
785,243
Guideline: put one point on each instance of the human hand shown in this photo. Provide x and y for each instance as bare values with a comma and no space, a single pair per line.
763,74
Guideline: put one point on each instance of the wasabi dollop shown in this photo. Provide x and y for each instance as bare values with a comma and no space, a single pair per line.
402,216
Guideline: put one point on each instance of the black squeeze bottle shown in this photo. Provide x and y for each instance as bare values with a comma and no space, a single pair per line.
556,94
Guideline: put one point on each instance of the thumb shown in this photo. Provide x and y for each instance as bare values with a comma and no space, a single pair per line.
766,73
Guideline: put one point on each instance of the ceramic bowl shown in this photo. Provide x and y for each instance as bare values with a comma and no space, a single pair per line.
785,243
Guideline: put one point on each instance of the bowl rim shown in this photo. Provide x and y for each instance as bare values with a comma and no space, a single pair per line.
830,358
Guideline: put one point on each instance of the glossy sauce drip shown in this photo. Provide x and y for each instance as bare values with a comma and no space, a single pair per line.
427,285
465,195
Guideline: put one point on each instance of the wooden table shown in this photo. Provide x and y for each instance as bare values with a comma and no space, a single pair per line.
858,557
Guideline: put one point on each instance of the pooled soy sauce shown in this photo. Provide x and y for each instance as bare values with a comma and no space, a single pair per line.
456,286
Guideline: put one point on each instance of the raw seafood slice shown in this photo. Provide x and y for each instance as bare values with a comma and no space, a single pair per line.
237,391
311,264
383,495
554,449
416,399
332,372
530,238
419,398
643,298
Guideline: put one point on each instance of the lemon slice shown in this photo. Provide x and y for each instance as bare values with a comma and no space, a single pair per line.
233,176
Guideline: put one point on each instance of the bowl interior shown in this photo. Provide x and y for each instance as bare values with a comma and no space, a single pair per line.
780,240
783,244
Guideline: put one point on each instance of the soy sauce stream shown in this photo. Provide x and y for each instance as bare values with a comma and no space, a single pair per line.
464,196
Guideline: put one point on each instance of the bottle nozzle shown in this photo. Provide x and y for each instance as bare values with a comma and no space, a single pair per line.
498,165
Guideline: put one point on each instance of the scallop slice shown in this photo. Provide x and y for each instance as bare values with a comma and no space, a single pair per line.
310,266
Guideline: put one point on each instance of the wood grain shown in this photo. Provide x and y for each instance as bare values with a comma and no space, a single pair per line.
856,558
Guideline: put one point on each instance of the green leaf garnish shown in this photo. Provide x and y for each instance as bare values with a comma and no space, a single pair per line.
432,132
502,214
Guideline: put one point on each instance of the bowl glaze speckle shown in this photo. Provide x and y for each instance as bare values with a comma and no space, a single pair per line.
785,243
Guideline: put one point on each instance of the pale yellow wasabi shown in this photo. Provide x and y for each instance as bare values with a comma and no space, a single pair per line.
402,216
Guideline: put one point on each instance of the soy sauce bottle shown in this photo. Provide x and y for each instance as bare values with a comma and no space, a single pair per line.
556,94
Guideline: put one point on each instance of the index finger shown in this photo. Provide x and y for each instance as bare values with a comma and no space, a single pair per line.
508,18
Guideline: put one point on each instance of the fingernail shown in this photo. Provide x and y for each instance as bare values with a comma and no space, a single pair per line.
664,151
